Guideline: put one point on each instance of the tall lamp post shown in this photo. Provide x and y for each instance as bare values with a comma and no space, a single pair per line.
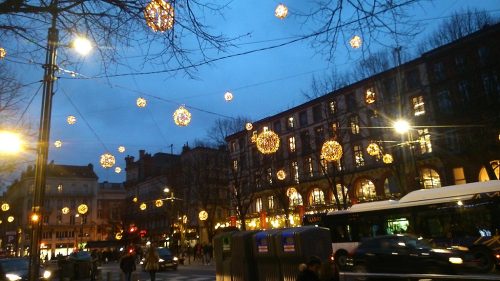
403,127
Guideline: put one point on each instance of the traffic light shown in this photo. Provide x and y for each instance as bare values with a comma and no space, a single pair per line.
132,229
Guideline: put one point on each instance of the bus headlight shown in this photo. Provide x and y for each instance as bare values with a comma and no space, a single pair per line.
46,274
12,277
455,260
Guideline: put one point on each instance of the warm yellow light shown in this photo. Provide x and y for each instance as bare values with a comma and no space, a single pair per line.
71,119
401,126
118,236
203,215
331,151
228,96
254,137
143,206
159,203
5,207
387,158
141,102
268,141
10,143
373,149
166,190
134,199
118,170
249,126
10,219
65,210
107,160
82,209
35,218
121,149
356,42
82,45
281,11
281,175
159,15
58,144
182,117
3,53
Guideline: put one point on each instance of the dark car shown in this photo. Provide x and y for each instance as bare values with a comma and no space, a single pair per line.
17,269
167,260
405,254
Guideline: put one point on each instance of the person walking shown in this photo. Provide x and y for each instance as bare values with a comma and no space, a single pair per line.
151,262
310,271
127,265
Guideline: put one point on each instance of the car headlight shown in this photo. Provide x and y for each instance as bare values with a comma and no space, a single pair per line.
456,260
175,259
12,277
46,274
161,260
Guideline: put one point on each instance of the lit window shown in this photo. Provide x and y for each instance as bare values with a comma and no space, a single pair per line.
291,144
270,202
366,190
60,188
233,146
430,178
483,174
295,171
309,162
317,197
340,193
424,139
235,164
418,105
332,106
294,196
370,95
333,129
358,156
354,125
258,205
290,123
458,175
270,175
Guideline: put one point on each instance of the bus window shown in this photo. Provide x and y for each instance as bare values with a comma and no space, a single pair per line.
397,226
341,233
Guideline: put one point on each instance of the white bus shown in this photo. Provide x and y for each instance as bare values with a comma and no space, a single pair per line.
465,215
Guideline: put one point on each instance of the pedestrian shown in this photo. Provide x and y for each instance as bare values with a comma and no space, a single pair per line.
127,265
310,271
151,262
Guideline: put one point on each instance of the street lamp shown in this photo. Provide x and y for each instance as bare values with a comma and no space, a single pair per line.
403,127
10,143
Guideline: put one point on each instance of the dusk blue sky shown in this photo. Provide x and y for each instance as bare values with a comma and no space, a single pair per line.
263,84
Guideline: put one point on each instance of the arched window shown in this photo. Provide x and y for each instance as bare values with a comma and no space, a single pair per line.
430,178
483,175
340,194
316,197
366,190
391,186
294,196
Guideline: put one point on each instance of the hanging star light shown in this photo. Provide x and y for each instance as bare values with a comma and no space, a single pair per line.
268,141
159,15
71,119
10,219
387,158
3,53
281,11
141,102
159,203
281,175
182,117
58,143
355,42
249,126
65,210
203,215
331,151
373,149
121,149
107,160
5,207
118,170
228,96
143,206
82,209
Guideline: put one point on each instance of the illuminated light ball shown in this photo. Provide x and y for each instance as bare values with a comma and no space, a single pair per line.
3,53
331,151
228,96
141,102
107,160
355,42
121,149
159,15
65,210
387,158
71,119
281,11
82,45
118,236
203,215
159,203
143,206
182,117
268,141
5,207
10,219
58,143
118,170
373,149
281,175
134,199
249,126
82,209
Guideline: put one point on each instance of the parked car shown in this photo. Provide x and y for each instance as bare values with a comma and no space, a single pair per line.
17,269
167,260
406,254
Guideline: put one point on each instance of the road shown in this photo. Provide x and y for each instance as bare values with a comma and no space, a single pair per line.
192,272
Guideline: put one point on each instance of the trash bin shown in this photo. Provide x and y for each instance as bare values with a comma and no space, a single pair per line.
243,267
296,245
264,250
222,252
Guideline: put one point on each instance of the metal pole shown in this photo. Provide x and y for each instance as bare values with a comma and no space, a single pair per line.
43,147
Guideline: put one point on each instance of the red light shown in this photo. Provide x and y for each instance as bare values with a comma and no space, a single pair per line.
497,256
130,251
132,228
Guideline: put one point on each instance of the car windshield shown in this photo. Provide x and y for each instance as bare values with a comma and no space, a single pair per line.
164,252
14,265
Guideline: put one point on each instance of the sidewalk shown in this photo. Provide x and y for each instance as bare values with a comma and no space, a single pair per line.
197,263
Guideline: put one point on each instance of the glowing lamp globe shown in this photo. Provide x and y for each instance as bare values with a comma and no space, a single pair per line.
249,126
65,210
159,203
82,209
281,11
107,160
82,45
331,151
355,42
182,117
268,141
373,149
3,53
10,143
10,219
159,15
203,215
281,175
58,144
143,206
228,96
141,102
134,199
5,207
118,236
121,149
71,119
387,158
118,170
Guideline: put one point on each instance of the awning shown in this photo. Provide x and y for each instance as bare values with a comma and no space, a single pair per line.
104,244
